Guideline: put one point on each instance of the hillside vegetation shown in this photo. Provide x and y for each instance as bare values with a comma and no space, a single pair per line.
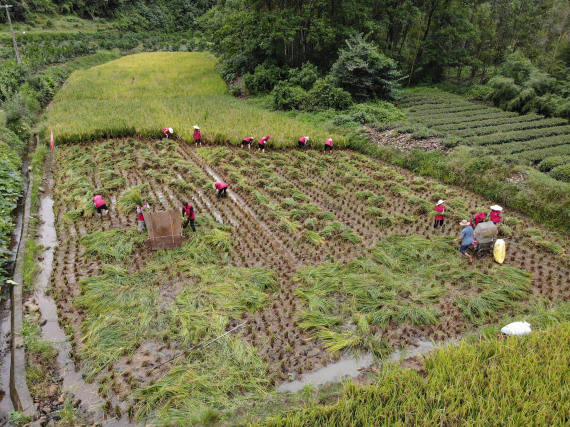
156,90
527,139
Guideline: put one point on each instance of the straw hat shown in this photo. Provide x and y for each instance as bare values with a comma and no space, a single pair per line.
196,127
170,130
464,222
496,208
440,201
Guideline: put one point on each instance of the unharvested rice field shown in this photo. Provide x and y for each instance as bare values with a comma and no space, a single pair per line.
529,138
317,254
151,91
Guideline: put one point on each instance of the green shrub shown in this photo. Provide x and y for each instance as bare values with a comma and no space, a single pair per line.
264,78
288,97
304,77
380,112
324,94
561,173
504,89
551,162
364,71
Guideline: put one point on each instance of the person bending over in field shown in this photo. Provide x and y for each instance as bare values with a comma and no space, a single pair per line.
140,216
466,239
190,214
328,145
495,214
263,142
303,142
222,188
167,132
247,141
440,209
100,205
476,219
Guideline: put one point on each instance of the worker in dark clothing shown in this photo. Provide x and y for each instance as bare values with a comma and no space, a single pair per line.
247,141
190,214
222,188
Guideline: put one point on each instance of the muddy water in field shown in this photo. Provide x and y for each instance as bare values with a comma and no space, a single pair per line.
5,400
353,367
72,380
334,372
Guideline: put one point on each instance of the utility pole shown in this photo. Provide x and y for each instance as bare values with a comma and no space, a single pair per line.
7,6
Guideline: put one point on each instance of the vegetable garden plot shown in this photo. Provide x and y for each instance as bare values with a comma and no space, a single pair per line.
258,256
501,132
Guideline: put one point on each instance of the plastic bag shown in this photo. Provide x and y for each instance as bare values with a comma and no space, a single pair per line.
516,328
499,251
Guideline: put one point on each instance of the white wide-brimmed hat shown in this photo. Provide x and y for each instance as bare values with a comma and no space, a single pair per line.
196,127
170,130
307,138
464,222
440,201
496,208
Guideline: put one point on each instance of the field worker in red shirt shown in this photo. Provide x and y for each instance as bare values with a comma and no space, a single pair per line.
197,136
222,188
495,214
140,217
247,141
262,143
100,204
167,132
440,209
328,144
476,219
190,214
303,142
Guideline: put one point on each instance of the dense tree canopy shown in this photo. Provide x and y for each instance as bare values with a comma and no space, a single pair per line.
426,37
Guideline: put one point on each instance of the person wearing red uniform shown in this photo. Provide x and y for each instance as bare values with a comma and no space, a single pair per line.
303,142
476,219
440,209
262,143
495,214
190,214
197,136
140,217
328,144
222,188
247,141
100,204
167,132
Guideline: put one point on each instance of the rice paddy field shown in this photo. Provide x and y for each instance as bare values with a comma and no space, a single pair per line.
530,139
318,254
167,89
312,258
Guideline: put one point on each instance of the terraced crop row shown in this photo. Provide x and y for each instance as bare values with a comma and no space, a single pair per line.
529,138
